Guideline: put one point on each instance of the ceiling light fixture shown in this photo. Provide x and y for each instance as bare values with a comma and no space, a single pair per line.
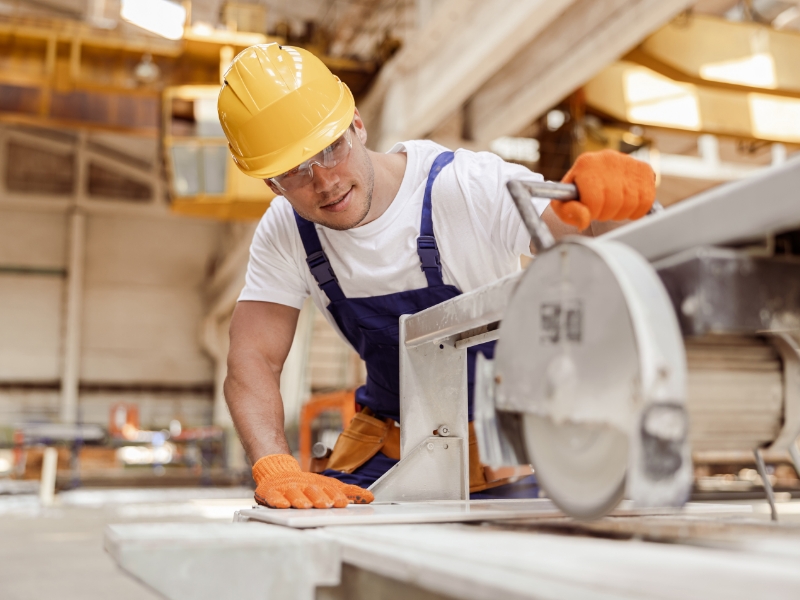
756,70
774,117
657,100
161,17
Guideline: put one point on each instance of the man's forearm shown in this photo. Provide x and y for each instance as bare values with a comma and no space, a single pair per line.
252,392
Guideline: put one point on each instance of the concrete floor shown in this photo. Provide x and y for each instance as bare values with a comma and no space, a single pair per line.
57,552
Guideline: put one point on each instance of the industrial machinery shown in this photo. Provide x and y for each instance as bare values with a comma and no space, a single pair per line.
611,368
616,356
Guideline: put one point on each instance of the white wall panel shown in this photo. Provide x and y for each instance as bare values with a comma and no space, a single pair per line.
32,239
143,300
30,304
30,327
143,334
162,252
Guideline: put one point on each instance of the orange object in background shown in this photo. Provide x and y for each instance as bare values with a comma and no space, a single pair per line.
343,402
123,418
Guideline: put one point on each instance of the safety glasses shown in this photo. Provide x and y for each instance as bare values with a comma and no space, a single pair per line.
303,174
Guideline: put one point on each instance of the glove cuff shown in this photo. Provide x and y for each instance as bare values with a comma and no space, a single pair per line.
274,464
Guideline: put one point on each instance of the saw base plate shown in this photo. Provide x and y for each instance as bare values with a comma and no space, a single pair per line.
453,511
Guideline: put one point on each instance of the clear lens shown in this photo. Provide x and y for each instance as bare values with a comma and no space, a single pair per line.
302,174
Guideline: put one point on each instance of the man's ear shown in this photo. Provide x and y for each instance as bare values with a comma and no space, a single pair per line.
361,130
273,187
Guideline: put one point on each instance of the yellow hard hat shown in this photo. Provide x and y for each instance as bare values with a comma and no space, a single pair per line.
279,106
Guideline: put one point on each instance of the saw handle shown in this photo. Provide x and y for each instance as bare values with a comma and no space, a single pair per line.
555,191
522,192
563,192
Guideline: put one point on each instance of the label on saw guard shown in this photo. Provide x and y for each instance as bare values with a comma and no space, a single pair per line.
561,320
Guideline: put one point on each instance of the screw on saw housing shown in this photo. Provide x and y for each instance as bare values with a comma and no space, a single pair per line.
522,192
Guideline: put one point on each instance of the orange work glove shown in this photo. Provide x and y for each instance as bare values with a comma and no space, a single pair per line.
281,484
612,187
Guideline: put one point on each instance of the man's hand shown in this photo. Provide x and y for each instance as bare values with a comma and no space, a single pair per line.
281,484
612,187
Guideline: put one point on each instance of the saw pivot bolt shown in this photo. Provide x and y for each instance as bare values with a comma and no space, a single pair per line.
320,450
443,431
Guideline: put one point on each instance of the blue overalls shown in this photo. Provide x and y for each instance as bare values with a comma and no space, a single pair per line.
371,325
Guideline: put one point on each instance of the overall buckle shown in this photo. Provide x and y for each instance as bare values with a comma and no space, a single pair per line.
428,252
320,268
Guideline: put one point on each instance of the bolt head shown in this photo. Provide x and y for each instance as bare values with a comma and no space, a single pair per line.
430,445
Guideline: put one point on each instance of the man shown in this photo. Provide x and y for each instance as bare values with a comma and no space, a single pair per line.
370,237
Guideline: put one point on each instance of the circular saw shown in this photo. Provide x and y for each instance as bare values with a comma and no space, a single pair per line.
590,366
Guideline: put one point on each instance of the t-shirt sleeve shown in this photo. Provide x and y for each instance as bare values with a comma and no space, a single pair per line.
487,175
273,273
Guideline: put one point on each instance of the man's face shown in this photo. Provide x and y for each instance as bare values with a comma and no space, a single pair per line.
339,197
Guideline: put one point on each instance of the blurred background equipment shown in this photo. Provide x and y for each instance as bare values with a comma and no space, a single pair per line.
203,179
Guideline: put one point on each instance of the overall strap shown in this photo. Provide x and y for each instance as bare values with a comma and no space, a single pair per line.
426,243
317,261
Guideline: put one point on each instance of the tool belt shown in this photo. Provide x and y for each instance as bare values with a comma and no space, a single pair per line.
367,435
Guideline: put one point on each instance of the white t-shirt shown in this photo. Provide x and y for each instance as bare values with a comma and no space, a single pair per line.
477,228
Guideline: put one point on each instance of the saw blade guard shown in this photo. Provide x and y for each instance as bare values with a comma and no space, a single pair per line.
588,345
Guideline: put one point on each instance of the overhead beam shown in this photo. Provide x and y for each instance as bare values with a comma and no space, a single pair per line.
586,37
639,56
715,50
462,45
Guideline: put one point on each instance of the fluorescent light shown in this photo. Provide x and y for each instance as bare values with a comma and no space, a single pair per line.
157,16
146,455
656,100
757,70
775,118
516,148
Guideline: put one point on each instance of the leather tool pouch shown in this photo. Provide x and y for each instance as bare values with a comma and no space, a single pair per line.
366,436
482,477
363,439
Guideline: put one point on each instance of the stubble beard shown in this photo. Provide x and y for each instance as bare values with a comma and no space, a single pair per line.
369,170
366,166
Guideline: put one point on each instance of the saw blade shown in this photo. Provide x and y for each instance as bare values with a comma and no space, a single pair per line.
567,361
582,466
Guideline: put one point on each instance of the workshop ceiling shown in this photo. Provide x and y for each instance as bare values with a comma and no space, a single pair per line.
356,27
